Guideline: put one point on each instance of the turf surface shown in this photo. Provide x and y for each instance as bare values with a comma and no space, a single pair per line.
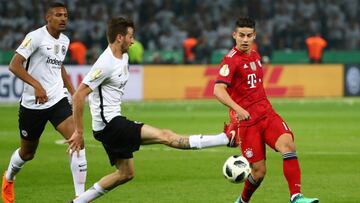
327,135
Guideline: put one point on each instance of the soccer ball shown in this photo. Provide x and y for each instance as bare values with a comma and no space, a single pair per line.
236,169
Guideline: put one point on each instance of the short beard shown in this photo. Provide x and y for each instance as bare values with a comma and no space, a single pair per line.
124,49
62,29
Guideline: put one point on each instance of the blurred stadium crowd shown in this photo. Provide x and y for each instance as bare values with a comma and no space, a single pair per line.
165,24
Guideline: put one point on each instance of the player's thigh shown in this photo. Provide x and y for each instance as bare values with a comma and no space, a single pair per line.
66,127
151,135
61,118
252,143
32,123
276,127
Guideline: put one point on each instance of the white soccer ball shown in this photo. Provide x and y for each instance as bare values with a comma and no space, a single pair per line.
236,169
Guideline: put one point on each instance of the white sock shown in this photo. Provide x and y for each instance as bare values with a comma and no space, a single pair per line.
91,194
242,201
293,196
78,167
14,166
204,141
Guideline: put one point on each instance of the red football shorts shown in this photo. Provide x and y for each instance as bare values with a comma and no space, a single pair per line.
267,131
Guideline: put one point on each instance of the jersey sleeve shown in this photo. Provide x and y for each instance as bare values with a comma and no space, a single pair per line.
226,71
96,76
29,45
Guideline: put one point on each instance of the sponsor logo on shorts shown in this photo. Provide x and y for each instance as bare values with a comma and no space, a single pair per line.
24,133
249,153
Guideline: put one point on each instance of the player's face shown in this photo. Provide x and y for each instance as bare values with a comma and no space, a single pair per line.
57,18
128,40
244,37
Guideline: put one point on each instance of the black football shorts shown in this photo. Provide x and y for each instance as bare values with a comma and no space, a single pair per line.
32,122
120,138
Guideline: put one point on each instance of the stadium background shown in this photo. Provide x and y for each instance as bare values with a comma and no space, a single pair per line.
319,102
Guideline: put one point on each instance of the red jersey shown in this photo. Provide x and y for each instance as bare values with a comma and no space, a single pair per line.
243,75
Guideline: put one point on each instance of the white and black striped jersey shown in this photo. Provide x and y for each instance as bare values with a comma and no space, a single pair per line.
107,78
44,57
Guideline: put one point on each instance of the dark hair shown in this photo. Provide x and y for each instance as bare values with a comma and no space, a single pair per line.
245,22
55,5
118,25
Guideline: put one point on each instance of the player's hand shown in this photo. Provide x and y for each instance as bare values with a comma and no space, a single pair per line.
75,143
40,95
242,114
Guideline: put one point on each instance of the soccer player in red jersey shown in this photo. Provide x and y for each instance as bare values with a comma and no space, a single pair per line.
239,86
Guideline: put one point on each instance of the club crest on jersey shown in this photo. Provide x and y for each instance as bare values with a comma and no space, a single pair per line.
63,50
253,66
26,43
56,48
224,70
96,74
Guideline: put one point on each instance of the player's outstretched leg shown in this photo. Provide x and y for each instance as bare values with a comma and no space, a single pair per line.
299,198
152,135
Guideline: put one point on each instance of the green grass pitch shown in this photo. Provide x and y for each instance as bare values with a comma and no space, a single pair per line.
327,135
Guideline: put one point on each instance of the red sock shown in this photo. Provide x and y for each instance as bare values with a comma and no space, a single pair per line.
250,186
291,171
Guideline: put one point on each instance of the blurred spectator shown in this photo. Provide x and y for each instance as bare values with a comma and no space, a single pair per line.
77,52
189,49
136,53
315,45
164,24
202,52
265,49
95,52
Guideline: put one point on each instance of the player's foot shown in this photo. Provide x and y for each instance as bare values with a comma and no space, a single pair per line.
299,198
232,133
7,190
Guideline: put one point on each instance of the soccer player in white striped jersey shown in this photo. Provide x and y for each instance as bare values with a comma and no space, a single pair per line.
119,136
39,63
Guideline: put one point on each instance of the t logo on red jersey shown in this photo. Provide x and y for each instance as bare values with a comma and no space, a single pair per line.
252,80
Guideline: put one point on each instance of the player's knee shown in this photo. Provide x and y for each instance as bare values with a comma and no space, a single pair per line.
258,172
285,144
285,147
124,176
166,136
128,176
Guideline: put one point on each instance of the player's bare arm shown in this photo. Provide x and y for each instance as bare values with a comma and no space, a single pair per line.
76,139
66,80
222,95
16,67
